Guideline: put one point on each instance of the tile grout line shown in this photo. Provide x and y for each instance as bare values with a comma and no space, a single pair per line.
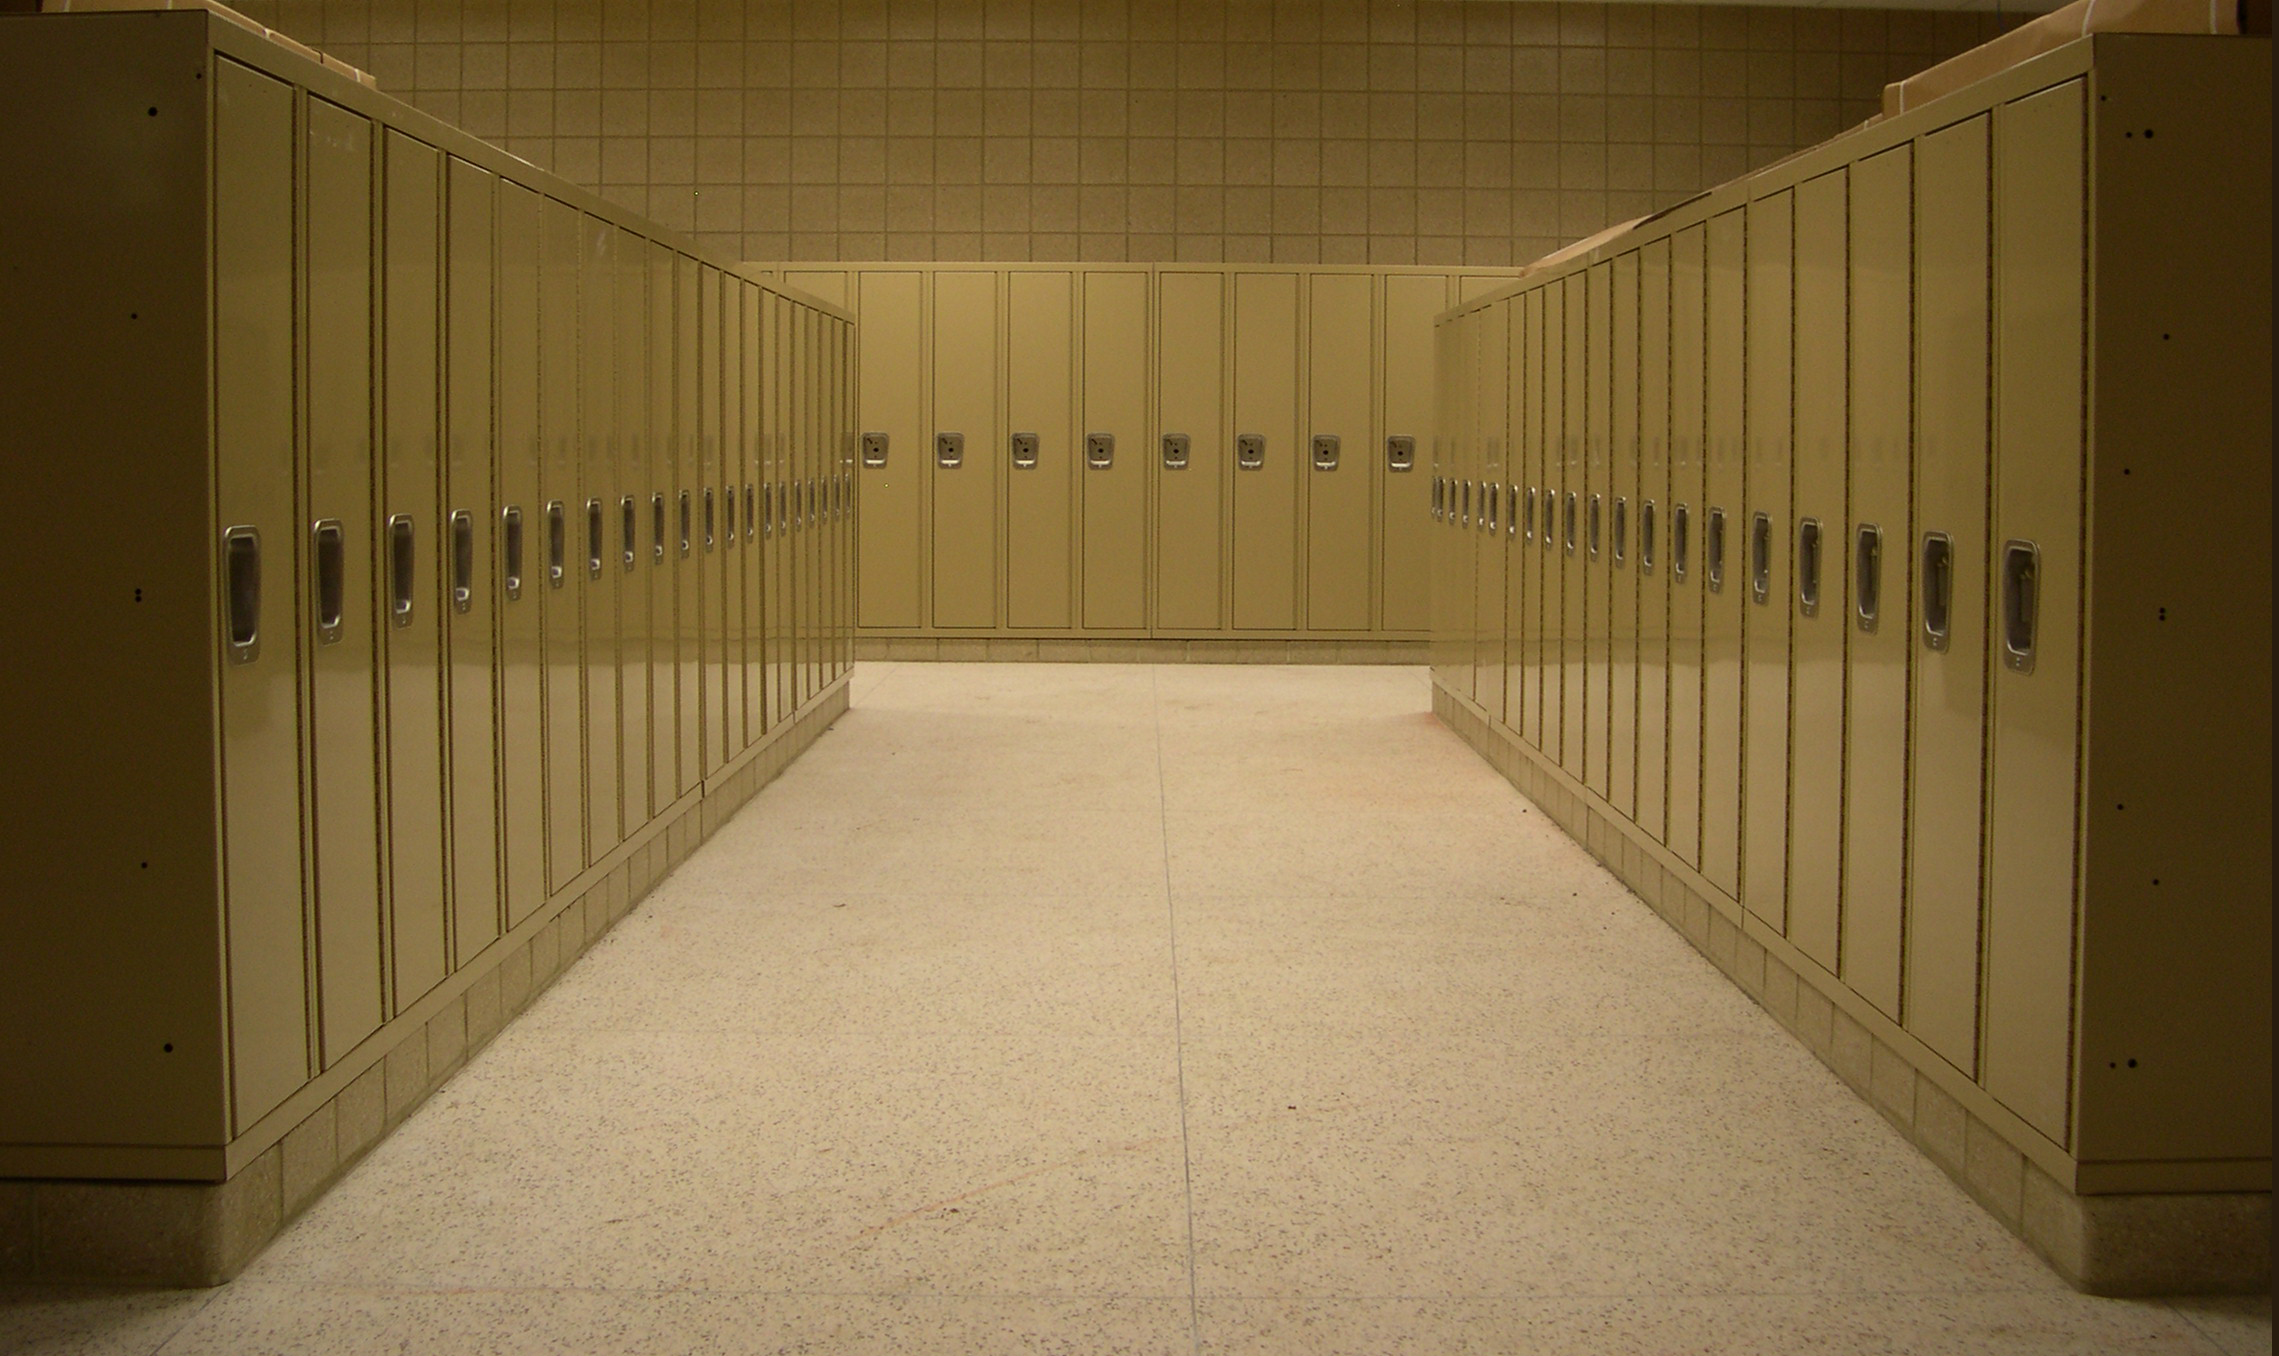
1178,1027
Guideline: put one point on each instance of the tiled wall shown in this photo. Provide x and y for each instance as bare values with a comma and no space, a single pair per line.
1299,131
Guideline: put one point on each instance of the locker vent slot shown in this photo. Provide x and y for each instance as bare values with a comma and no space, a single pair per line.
1099,450
241,552
628,531
593,539
2021,584
1250,454
1570,522
1713,551
402,562
1024,451
1621,530
874,450
462,560
1681,540
510,543
1646,537
332,564
949,450
1325,451
1176,447
1594,527
555,550
657,529
1938,588
1761,557
1867,576
688,524
1808,567
1400,454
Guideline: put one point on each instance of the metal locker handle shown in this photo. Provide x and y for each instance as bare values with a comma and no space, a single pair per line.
1494,505
330,546
708,518
751,512
241,557
767,510
1761,557
1325,451
2021,603
1100,450
554,550
874,450
1867,576
1621,529
1646,537
1024,451
462,560
1400,454
1176,447
728,509
1464,517
1527,517
629,532
403,563
1681,540
1511,515
656,529
594,549
1436,495
1570,522
1938,588
688,524
949,450
1808,567
510,545
1594,526
1714,551
1250,454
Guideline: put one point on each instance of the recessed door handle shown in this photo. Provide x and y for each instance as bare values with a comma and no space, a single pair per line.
1024,451
1176,447
1646,537
1808,567
1761,557
403,563
949,450
1867,576
1100,451
1713,551
462,560
330,542
874,450
593,539
555,549
1400,454
1938,589
241,556
1250,452
510,546
1325,451
2021,603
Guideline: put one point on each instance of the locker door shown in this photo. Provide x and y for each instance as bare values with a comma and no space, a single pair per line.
1405,495
965,475
1266,480
1491,386
1574,496
636,479
1464,547
1877,543
410,415
1688,291
1445,335
691,426
1724,543
259,594
1522,420
471,502
660,564
1952,223
1764,547
802,380
558,533
756,414
521,560
1818,567
594,528
1190,550
1038,562
1620,550
814,541
1114,484
704,631
1650,536
893,472
1598,339
1536,687
1341,355
342,663
1550,519
778,515
2035,703
726,609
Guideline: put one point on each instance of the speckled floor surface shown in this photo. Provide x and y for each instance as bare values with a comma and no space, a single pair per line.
1126,1009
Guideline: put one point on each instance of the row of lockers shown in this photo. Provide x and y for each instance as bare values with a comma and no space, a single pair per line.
1181,452
1775,525
526,521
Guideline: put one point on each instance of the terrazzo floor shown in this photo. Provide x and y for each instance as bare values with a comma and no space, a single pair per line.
1103,1008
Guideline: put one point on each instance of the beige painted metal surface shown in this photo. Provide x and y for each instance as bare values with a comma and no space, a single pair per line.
965,470
1340,478
1765,548
1039,370
1405,501
470,582
1114,450
1191,467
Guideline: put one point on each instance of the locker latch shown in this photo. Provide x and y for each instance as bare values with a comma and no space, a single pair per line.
332,562
1400,454
1938,588
949,450
1024,451
874,450
1175,449
2021,588
1808,567
241,549
1867,577
1250,450
1099,450
462,561
1325,451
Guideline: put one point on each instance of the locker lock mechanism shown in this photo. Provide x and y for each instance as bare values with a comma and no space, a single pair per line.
949,450
874,450
1100,450
2021,583
1325,451
1250,451
1400,454
1175,449
1024,451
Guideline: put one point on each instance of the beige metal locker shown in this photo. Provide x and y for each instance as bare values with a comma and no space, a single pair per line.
1573,346
1619,555
660,567
1724,552
2034,697
1877,543
1517,547
1463,457
1550,525
753,623
1944,918
558,487
638,411
1114,475
1491,414
1650,534
1190,462
1265,494
1447,338
1597,554
1815,601
470,587
260,684
1040,481
1341,357
1764,546
1688,593
725,609
345,875
686,558
893,451
967,448
1538,686
777,508
597,511
1404,530
521,560
704,632
412,637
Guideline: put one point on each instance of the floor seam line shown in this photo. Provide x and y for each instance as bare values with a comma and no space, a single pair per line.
1178,1027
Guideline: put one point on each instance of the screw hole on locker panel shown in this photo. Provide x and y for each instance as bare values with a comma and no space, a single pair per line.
167,1048
138,595
154,113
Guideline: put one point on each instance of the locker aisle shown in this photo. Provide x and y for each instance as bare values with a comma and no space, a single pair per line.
1101,1007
